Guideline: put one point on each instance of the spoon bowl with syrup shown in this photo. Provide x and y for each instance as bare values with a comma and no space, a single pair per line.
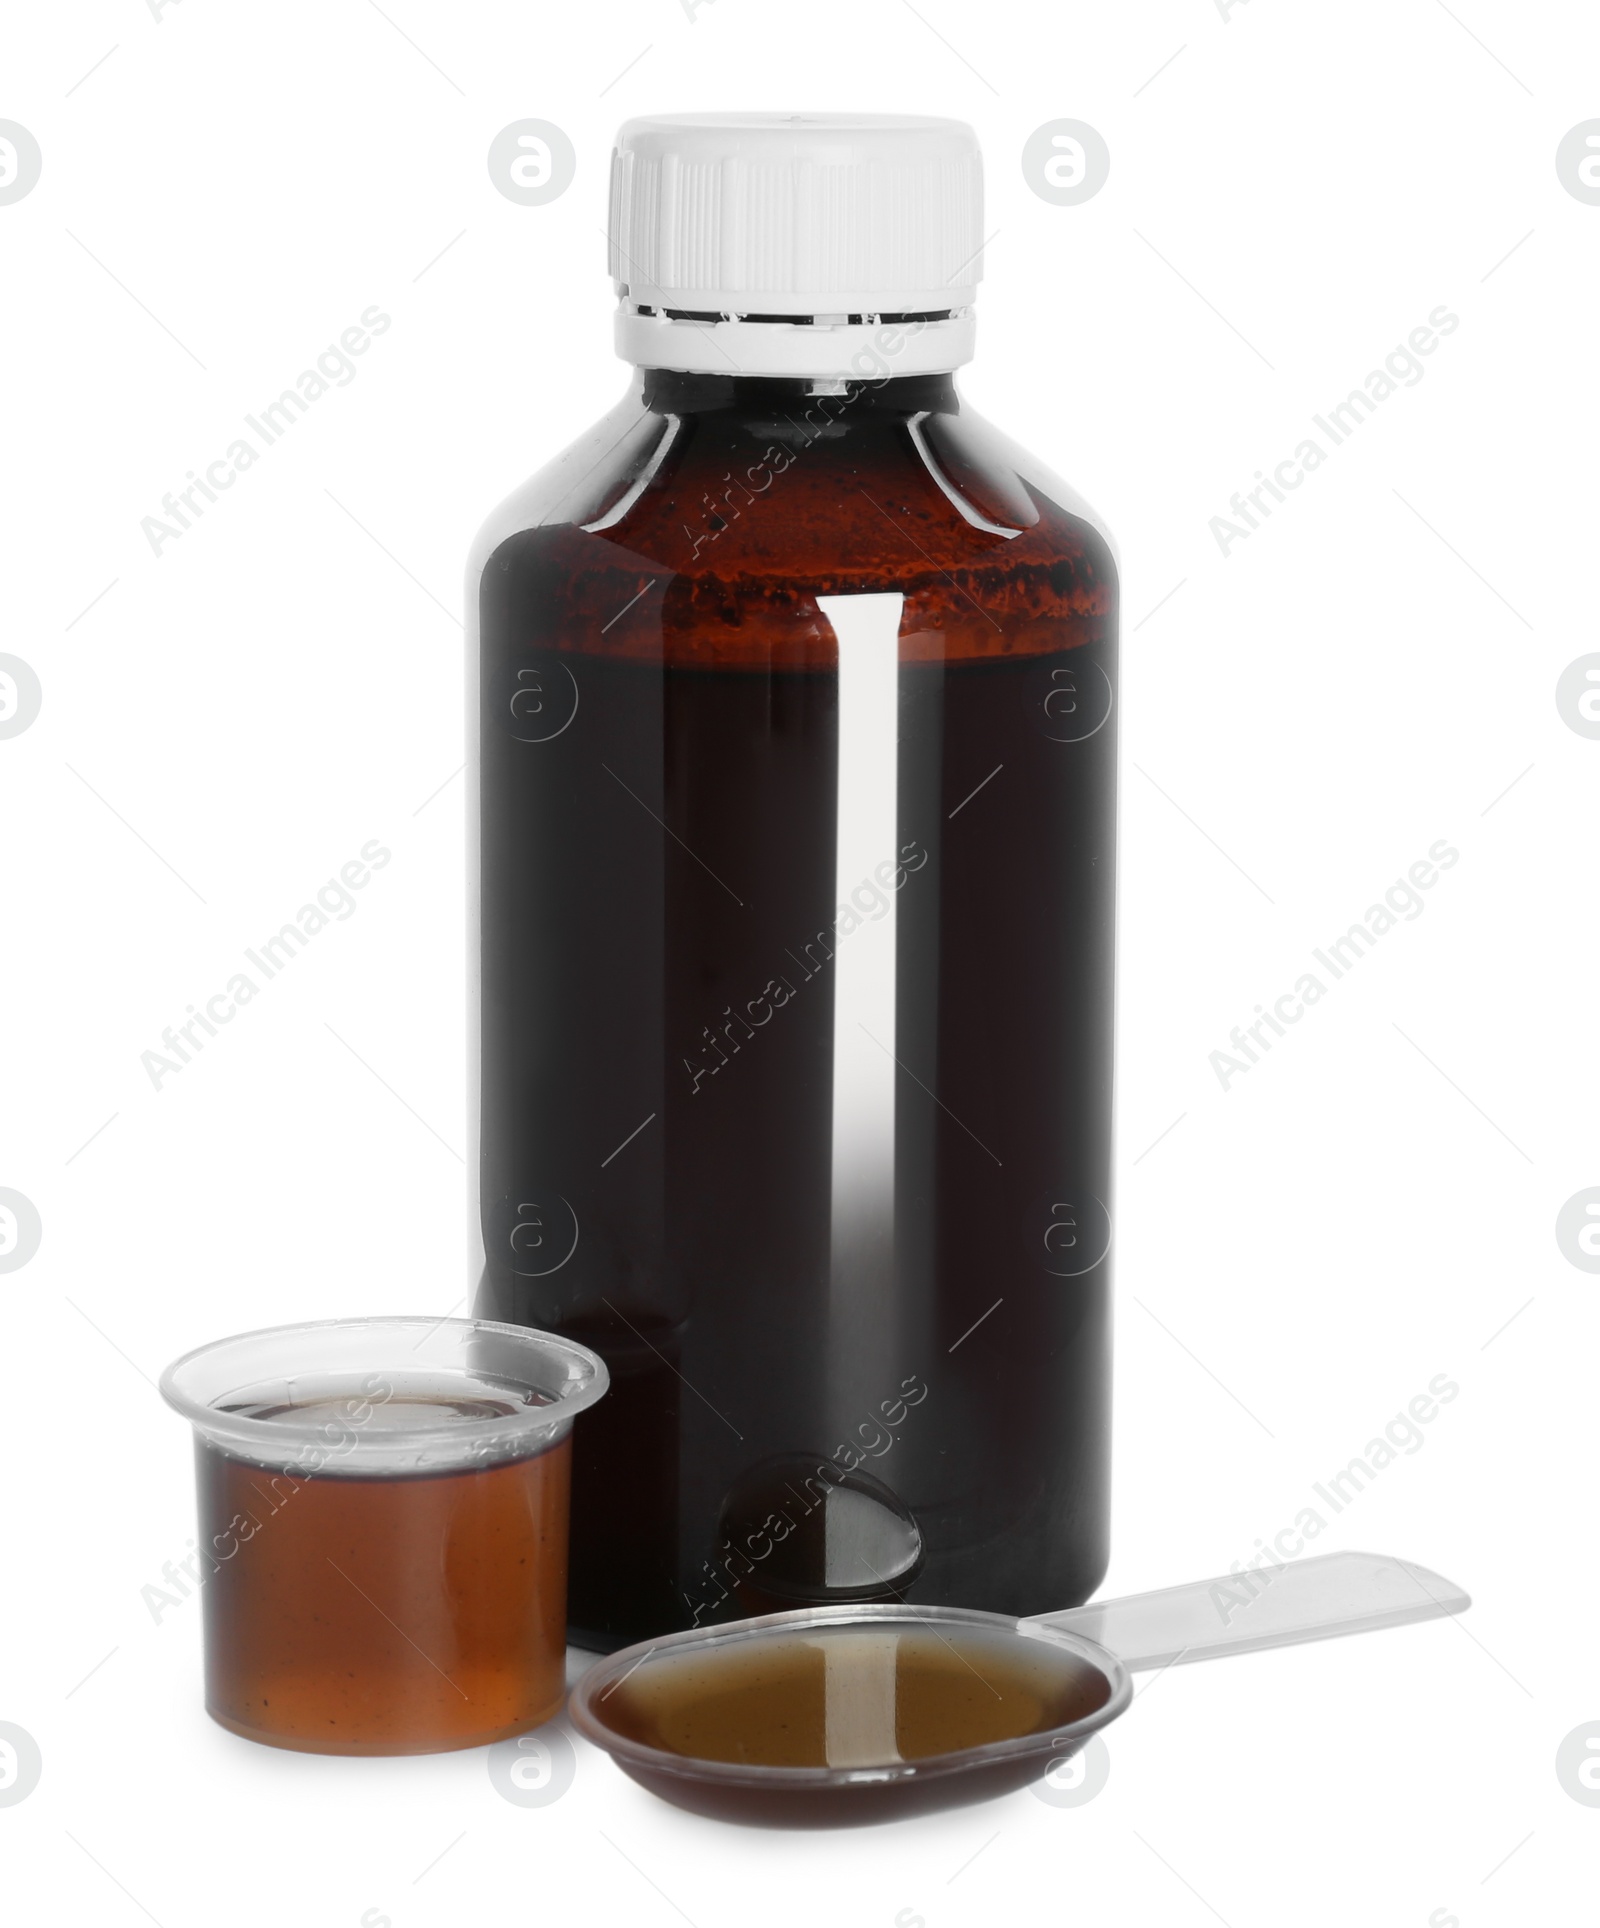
839,1715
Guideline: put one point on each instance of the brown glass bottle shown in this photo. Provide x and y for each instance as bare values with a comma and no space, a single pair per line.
657,705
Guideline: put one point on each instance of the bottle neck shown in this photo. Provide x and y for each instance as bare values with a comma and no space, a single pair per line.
670,391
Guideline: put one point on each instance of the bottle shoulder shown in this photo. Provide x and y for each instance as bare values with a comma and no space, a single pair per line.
576,487
727,525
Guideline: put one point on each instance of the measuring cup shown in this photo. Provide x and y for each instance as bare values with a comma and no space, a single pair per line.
1088,1652
383,1528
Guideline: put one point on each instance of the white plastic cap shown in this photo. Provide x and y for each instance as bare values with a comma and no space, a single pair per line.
830,222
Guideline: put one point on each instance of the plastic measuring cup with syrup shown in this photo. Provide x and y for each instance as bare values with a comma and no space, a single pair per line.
837,1715
383,1528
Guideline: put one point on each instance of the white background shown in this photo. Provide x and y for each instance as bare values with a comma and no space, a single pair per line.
1290,195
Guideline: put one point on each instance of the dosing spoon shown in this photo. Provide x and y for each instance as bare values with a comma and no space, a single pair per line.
834,1716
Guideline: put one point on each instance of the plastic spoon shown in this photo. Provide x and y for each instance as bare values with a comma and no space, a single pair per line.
724,1720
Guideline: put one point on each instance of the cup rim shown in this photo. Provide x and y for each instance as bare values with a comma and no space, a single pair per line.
583,1381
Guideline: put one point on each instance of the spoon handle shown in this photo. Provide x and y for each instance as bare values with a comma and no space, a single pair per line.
1313,1599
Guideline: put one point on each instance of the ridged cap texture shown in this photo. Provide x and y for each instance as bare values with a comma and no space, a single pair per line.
796,214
